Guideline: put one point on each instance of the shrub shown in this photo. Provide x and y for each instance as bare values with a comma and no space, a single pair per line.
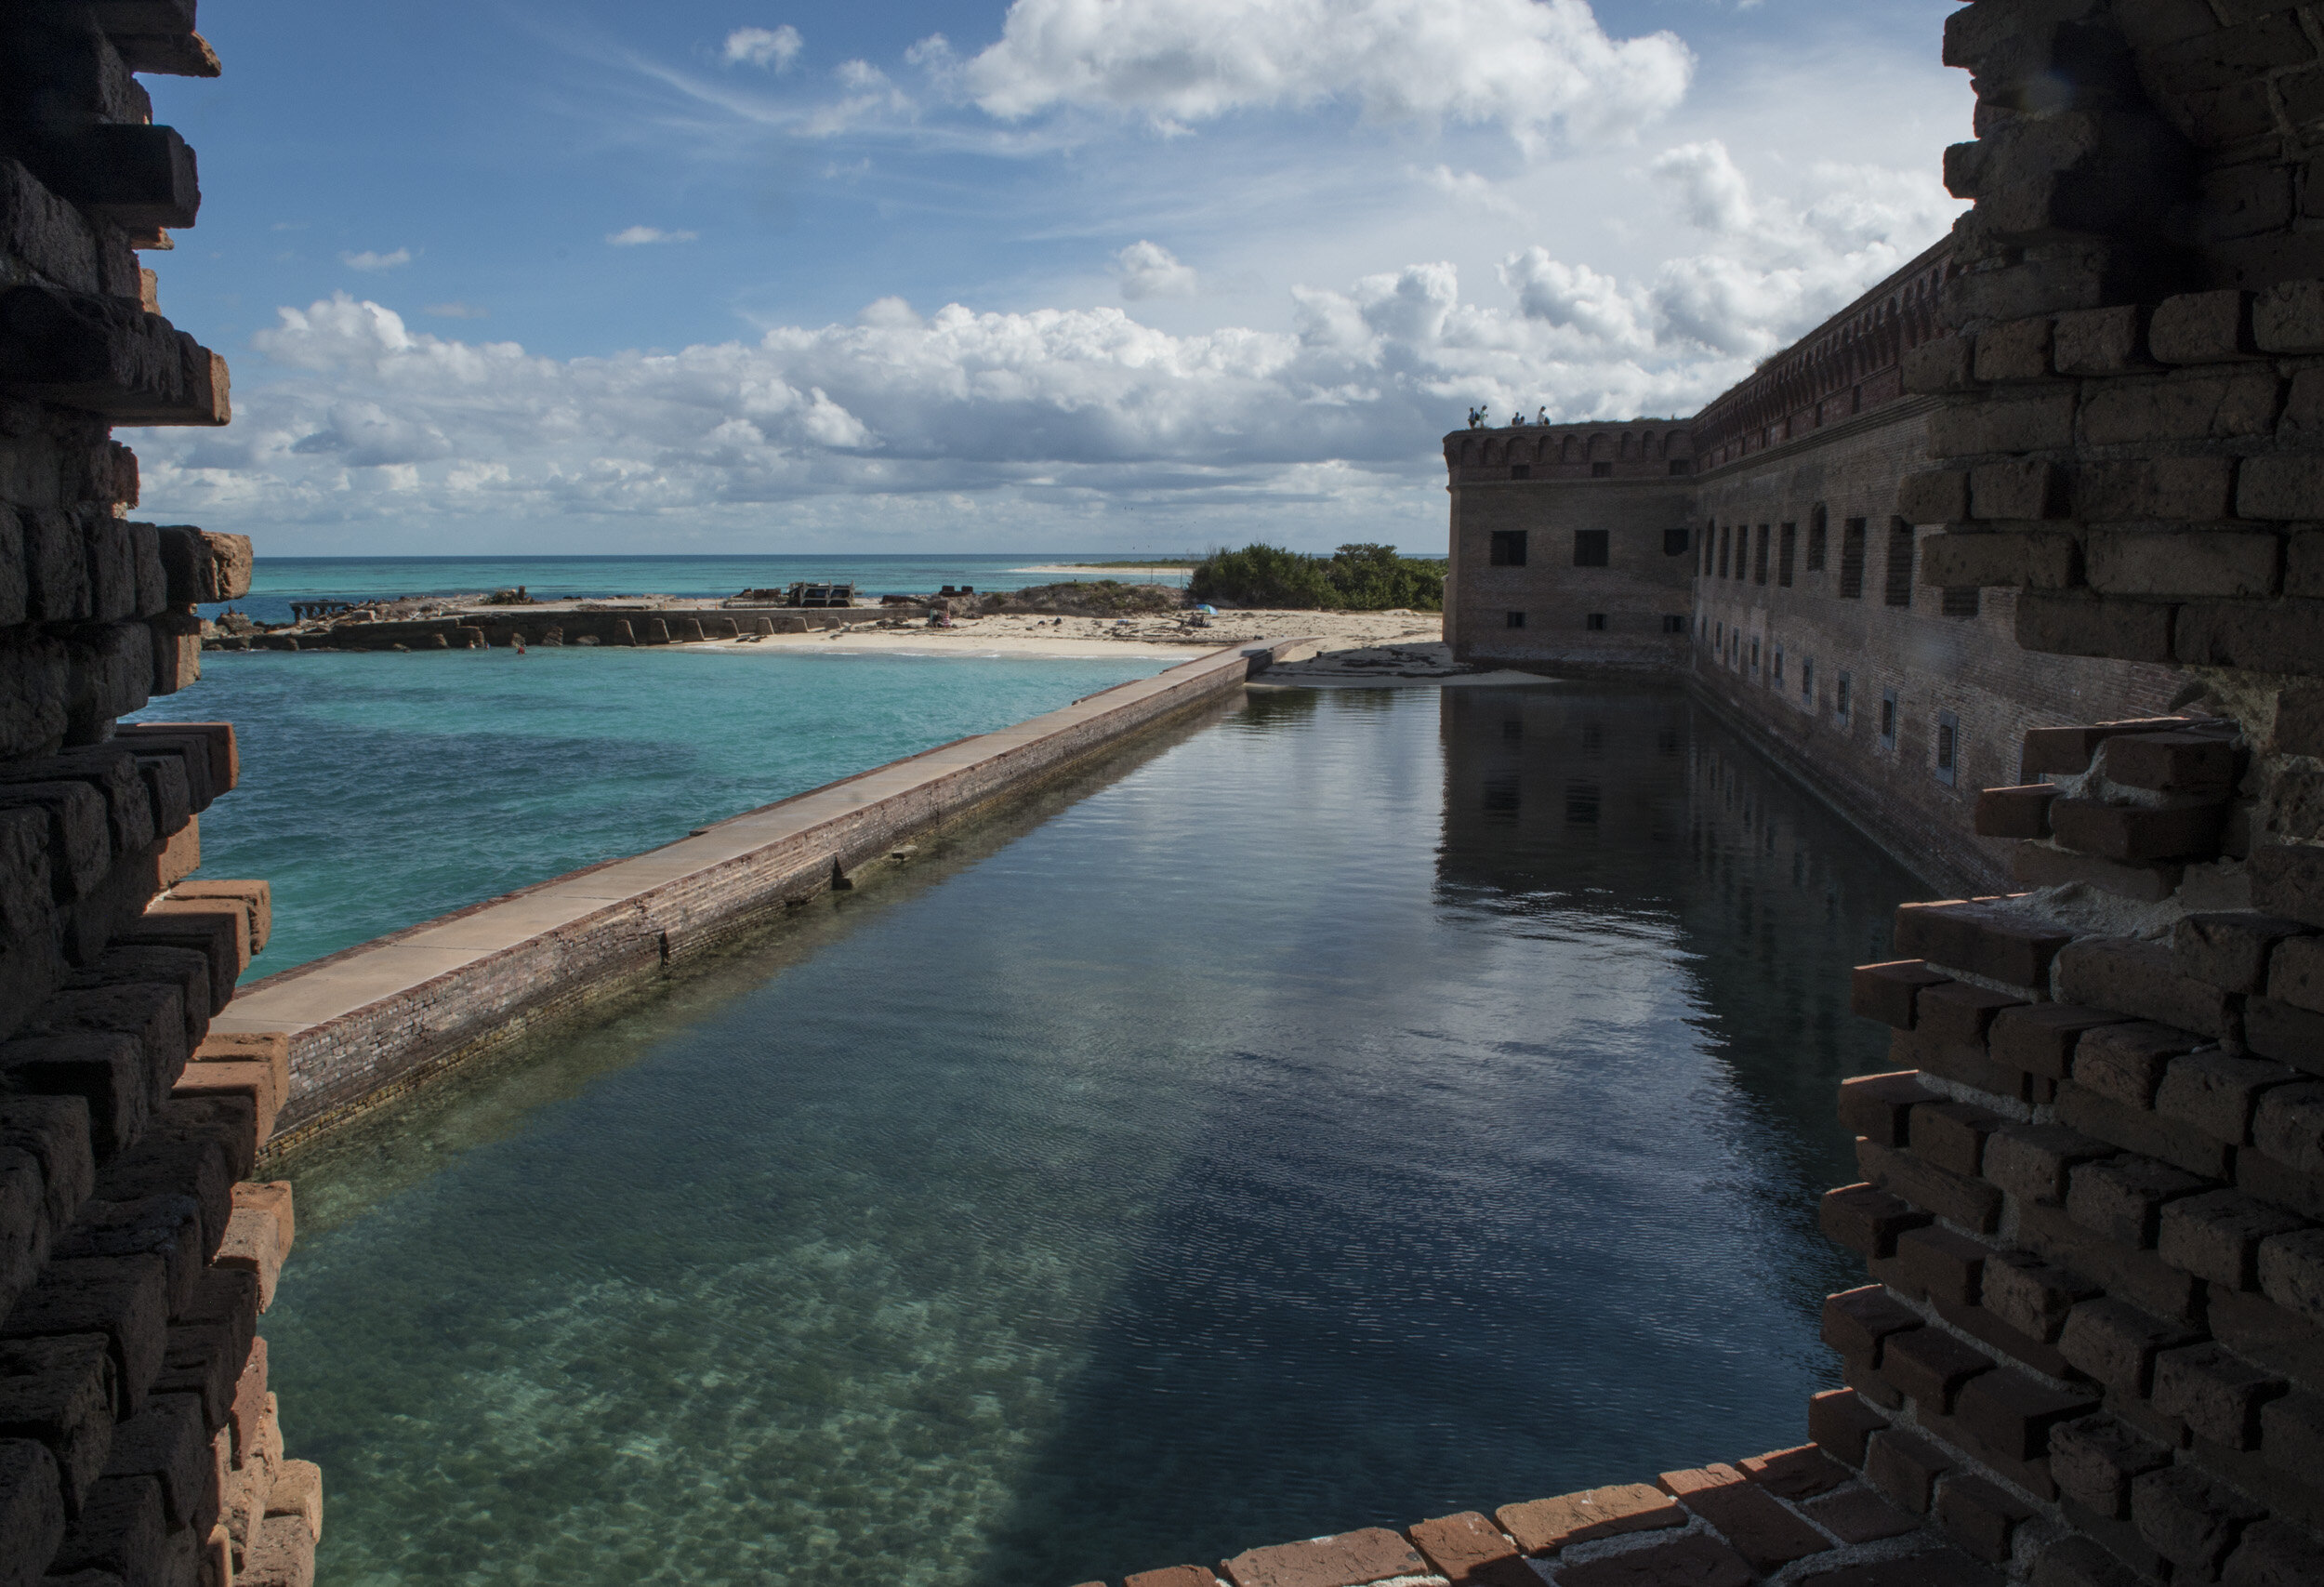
1353,578
1105,597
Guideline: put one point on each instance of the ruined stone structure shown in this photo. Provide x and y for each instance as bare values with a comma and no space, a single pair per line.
138,1441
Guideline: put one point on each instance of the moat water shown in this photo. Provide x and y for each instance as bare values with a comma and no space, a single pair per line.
1358,1107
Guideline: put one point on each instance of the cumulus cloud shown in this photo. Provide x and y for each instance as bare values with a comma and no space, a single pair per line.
369,260
640,236
1530,66
1149,270
772,47
453,312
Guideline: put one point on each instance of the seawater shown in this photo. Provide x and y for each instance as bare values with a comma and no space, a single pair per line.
379,790
277,581
1367,1105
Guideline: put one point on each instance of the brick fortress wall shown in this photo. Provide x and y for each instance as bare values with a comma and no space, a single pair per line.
138,1440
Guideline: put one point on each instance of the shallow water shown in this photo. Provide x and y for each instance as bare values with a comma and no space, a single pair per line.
380,790
1367,1105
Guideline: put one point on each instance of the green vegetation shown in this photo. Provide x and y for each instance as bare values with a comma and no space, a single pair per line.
1099,598
1353,578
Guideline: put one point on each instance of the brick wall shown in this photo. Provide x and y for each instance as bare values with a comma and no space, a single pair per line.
138,1440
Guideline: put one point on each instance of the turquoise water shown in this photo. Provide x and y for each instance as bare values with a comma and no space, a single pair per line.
1367,1105
277,581
378,791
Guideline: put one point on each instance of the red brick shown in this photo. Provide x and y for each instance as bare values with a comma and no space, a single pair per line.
2173,763
1981,1518
2125,1063
2041,1037
2216,1235
2216,1393
1952,1135
60,1393
1880,1106
1857,1321
1970,1202
1945,1569
1794,1474
1176,1576
1467,1547
2274,1554
1351,1559
2292,1272
2275,1029
2130,832
2094,1460
1979,937
282,1554
1888,992
2019,813
2116,1344
1751,1519
1941,1264
1906,1466
125,1299
2032,1161
1544,1526
273,1197
1860,1515
2013,1414
2189,1519
2121,1198
1930,1367
2032,1296
2069,748
1696,1561
1867,1221
1839,1422
252,1081
1959,1011
2217,1095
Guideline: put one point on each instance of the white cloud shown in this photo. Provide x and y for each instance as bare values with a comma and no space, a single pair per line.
774,47
1529,66
376,261
1149,270
453,312
639,236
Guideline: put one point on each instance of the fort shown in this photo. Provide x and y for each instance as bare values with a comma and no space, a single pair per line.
2019,561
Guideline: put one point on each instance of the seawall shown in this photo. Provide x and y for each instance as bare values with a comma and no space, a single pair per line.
376,1019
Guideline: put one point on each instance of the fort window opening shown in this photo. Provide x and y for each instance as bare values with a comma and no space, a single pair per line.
1727,537
1521,471
1590,547
1963,602
1601,470
1819,525
1851,558
1758,558
1786,552
1888,718
1594,622
1509,548
1807,681
1842,695
1948,746
1899,563
1517,619
1675,542
1674,625
1754,656
1720,638
1681,466
1776,671
1710,533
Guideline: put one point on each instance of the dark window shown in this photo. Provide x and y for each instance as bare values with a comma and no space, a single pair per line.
1517,619
1948,746
1961,602
1807,680
1817,525
1581,804
1888,718
1681,466
1754,656
1674,625
1676,541
1503,796
1785,551
1521,471
1509,548
1776,672
1842,695
1851,558
1727,537
1590,547
1594,622
1711,532
1899,563
1720,637
1601,470
1758,558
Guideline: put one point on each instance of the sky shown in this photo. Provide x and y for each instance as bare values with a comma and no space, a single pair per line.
505,276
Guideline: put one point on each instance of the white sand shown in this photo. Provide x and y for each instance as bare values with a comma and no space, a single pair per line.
1170,636
1084,571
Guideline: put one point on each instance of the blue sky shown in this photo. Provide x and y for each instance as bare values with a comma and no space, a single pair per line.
506,276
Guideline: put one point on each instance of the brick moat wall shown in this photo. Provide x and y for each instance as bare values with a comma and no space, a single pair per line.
138,1443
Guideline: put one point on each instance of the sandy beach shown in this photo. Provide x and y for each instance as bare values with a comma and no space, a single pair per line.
1161,636
1086,570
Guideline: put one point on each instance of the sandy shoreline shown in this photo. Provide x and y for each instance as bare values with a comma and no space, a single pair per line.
1170,637
1084,570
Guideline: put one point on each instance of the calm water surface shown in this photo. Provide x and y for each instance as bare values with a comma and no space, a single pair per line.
1367,1105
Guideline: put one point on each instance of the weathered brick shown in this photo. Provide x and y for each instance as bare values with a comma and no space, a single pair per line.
2081,623
2030,1296
298,1490
282,1554
1866,1220
2289,879
2289,318
2126,1062
1880,1106
2292,1432
165,1227
2279,486
2198,763
1888,992
2116,1343
1961,1011
1941,1264
1544,1526
2180,490
1351,1559
1945,364
2032,1161
1696,1559
253,1243
1969,1202
2100,342
1752,1522
1794,1474
218,935
2121,1198
2230,951
2292,1272
2019,813
1858,1516
109,1073
2274,1554
61,1393
1859,1321
2216,1235
1982,938
2132,832
2079,1561
1952,1135
255,899
2041,1037
2201,327
2277,1029
273,1198
2022,488
2190,1520
1981,1518
2218,1094
2011,559
1468,1548
1930,1366
125,1299
1173,1575
2034,419
2296,973
2268,636
1904,1466
2013,1414
1935,495
168,1442
32,1510
173,1165
2189,405
2096,1458
2215,1392
122,1531
1840,1422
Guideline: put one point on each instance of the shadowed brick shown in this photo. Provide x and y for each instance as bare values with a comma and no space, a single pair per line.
124,1299
1794,1474
1857,1321
1982,938
2015,812
2216,1235
2292,1272
2126,1062
1961,1011
1904,1466
2229,951
60,1393
1970,1202
2215,1392
2189,1519
1753,1523
1468,1548
2041,1037
168,1442
2080,1562
1981,1518
2217,1095
2292,1432
2121,1198
1930,1366
1935,1570
1947,1266
1889,992
121,1531
1544,1526
2274,1554
1693,1561
2277,1029
2132,832
1952,1134
1880,1106
2116,1344
2095,1459
2013,1414
2032,1161
2287,1125
1860,1515
2030,1296
1839,1422
1866,1220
